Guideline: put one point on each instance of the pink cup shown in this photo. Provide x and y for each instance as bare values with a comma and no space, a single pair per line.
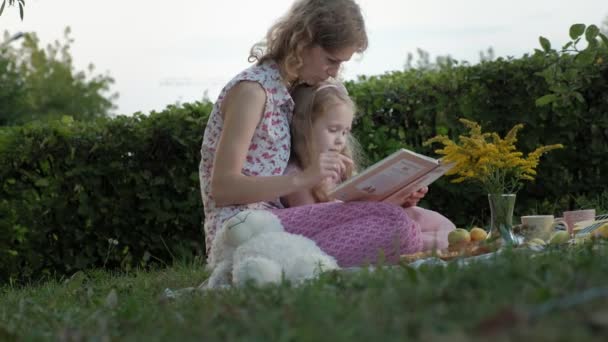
575,216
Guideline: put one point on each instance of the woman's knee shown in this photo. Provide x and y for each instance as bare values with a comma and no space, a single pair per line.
430,220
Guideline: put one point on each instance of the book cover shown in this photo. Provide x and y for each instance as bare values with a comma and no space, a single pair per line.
392,179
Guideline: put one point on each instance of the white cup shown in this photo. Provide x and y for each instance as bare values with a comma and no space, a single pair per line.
539,226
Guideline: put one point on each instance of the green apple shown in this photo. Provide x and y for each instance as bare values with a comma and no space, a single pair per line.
459,236
559,237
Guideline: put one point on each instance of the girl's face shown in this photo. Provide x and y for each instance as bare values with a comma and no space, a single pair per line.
331,129
319,64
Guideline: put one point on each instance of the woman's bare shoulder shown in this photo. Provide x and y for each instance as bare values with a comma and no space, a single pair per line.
247,90
243,97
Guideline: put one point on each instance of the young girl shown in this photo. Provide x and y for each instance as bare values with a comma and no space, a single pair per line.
323,116
247,142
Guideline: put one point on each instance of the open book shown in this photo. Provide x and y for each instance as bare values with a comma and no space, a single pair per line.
392,179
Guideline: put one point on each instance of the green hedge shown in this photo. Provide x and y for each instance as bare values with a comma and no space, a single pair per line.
124,192
113,192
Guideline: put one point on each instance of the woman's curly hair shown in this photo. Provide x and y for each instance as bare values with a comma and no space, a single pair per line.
330,24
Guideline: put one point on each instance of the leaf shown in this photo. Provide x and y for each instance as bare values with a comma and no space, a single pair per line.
579,97
67,120
21,11
545,100
586,57
42,183
2,7
591,33
577,30
568,44
545,43
592,44
604,39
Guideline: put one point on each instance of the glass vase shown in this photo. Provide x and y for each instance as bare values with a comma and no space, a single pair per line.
501,224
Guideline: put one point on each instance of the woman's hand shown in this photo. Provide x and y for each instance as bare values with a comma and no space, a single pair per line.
415,197
329,165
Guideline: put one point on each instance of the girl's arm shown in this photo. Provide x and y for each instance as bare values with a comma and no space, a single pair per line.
298,198
242,111
304,197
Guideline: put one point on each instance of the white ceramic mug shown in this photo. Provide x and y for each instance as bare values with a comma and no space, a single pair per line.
540,226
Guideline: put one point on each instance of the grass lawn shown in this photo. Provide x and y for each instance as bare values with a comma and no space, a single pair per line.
560,295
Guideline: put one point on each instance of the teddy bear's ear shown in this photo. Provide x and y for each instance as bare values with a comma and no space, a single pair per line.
238,229
248,224
238,218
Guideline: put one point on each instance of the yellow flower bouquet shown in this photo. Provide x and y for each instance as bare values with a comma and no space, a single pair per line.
490,160
497,165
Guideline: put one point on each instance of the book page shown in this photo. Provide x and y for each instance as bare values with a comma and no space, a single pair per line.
394,174
385,177
399,197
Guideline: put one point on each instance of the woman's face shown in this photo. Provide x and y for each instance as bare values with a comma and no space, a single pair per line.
320,64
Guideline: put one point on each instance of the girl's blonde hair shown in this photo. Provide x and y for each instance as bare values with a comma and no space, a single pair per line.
330,24
312,102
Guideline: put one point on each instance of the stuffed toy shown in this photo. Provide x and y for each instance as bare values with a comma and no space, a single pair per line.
253,246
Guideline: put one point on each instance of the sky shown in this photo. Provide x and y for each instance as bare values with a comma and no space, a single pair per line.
167,52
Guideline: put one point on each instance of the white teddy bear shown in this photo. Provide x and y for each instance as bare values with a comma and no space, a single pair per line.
252,245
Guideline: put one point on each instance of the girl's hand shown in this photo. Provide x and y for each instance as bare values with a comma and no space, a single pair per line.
415,197
329,165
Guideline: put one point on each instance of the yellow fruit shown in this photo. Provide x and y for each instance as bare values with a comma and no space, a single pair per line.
601,231
458,236
536,241
558,237
478,234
